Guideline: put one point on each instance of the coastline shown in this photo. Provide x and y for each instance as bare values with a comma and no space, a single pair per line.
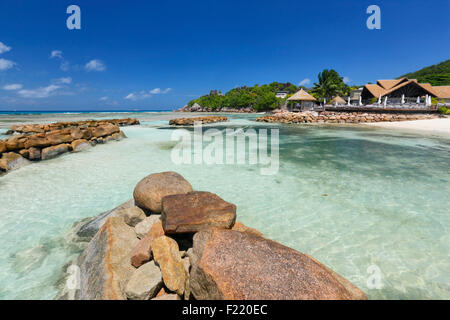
440,126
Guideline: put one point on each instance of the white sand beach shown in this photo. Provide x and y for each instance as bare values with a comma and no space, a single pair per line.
434,126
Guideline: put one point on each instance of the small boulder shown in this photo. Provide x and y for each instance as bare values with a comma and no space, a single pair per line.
196,211
233,265
149,191
132,216
144,283
12,161
80,144
143,227
51,152
142,252
166,254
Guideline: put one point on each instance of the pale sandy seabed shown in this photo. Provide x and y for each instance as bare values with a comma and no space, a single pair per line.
434,126
386,202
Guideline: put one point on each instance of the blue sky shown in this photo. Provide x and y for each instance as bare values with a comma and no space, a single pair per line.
161,54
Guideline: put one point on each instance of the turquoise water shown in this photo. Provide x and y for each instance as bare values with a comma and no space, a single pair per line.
351,197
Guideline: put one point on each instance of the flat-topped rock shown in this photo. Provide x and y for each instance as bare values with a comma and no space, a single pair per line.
196,211
132,215
192,121
149,191
80,144
232,265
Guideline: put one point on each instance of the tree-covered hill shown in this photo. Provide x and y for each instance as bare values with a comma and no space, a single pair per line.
436,75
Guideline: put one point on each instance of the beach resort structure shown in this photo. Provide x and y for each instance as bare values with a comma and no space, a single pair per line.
404,90
337,101
301,101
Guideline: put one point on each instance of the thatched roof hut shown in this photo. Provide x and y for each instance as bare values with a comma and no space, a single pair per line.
337,100
302,95
301,101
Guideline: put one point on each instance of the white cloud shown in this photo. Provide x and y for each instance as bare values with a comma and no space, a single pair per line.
12,87
95,65
146,94
346,79
6,64
67,80
4,48
305,82
56,54
103,98
42,92
159,91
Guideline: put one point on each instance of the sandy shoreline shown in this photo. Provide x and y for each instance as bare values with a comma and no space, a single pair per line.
439,126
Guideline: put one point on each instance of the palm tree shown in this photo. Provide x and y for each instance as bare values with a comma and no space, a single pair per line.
330,85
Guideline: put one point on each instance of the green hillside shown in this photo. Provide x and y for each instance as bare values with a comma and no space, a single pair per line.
436,75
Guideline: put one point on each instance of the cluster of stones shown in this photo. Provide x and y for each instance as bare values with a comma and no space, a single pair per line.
173,243
35,142
341,117
197,108
202,120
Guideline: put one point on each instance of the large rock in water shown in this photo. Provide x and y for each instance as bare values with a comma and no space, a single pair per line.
105,264
196,211
166,254
232,265
51,152
150,190
12,161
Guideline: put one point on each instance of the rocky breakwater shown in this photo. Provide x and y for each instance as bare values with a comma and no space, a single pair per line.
36,142
171,243
341,117
202,120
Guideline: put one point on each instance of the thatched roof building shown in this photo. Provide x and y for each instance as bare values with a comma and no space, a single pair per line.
337,100
301,95
300,101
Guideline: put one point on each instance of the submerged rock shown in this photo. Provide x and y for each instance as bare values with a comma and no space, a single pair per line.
105,263
149,191
196,211
166,254
232,265
144,283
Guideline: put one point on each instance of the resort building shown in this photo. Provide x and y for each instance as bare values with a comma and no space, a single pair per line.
354,96
301,101
409,89
338,100
281,94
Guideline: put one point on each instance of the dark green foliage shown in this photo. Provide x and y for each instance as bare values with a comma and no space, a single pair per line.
436,75
329,85
260,98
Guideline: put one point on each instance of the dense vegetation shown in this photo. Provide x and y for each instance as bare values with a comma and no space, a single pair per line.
436,75
329,85
260,98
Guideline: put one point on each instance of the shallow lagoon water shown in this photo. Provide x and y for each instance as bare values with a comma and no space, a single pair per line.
352,197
